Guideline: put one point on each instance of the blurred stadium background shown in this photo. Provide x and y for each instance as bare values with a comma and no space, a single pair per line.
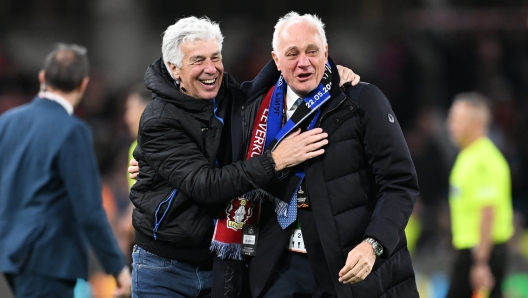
419,52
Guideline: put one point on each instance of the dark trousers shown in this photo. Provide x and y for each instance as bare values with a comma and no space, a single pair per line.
31,285
460,285
230,279
294,278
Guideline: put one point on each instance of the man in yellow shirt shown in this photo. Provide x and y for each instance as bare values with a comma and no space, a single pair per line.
480,201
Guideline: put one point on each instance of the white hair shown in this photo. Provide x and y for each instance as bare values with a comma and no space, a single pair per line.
187,29
292,18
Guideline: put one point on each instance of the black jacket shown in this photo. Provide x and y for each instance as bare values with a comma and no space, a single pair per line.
364,185
178,141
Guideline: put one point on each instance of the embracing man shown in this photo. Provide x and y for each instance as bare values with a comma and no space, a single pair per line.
186,172
336,224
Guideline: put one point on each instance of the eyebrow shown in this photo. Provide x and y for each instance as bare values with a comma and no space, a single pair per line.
291,48
310,46
203,56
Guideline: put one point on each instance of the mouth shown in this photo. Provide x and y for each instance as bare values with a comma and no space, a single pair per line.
304,76
209,82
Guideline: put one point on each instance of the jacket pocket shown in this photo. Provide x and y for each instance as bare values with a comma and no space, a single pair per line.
161,211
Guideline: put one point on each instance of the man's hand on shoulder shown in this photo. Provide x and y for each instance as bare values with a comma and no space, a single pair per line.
347,75
358,265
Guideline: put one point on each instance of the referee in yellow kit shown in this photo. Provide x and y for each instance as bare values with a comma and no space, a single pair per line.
480,202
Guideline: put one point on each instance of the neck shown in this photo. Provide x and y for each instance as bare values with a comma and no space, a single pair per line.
294,93
472,139
300,94
71,97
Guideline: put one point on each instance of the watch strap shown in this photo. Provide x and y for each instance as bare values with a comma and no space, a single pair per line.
378,249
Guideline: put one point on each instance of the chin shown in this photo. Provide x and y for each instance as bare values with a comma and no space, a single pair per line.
208,95
307,88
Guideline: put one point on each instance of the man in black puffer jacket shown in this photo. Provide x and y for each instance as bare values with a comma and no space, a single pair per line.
346,234
180,184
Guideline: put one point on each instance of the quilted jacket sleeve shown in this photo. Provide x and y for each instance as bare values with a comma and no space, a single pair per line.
393,168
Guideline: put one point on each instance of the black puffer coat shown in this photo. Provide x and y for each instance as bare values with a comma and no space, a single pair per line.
178,142
364,185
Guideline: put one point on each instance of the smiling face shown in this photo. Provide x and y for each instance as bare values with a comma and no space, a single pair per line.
202,69
301,57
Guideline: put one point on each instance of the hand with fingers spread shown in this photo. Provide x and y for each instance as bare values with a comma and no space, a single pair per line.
347,75
133,170
358,265
298,147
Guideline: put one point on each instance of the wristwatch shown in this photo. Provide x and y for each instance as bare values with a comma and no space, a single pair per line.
378,249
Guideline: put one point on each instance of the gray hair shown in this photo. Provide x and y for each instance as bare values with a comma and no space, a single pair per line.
187,29
292,18
478,102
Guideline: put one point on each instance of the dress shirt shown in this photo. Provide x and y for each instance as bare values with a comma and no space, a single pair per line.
59,99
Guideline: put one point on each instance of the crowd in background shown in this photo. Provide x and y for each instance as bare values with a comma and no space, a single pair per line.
420,54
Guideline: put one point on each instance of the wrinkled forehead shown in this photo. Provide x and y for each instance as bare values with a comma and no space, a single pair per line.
200,47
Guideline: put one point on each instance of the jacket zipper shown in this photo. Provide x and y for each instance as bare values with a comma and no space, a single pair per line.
157,223
321,119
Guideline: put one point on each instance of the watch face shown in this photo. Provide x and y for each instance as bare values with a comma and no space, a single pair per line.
378,249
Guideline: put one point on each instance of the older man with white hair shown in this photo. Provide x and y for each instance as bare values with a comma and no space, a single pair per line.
184,154
341,214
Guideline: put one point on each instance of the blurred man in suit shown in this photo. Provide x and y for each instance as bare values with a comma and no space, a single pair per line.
50,199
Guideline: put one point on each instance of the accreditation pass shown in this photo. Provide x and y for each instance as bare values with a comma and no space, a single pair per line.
297,242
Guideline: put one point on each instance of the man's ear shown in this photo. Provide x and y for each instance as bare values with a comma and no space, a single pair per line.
175,71
41,77
276,59
84,84
326,53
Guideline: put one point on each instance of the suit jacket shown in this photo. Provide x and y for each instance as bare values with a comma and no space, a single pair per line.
364,185
50,195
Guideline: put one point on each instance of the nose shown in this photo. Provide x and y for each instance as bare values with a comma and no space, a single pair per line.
303,61
209,67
